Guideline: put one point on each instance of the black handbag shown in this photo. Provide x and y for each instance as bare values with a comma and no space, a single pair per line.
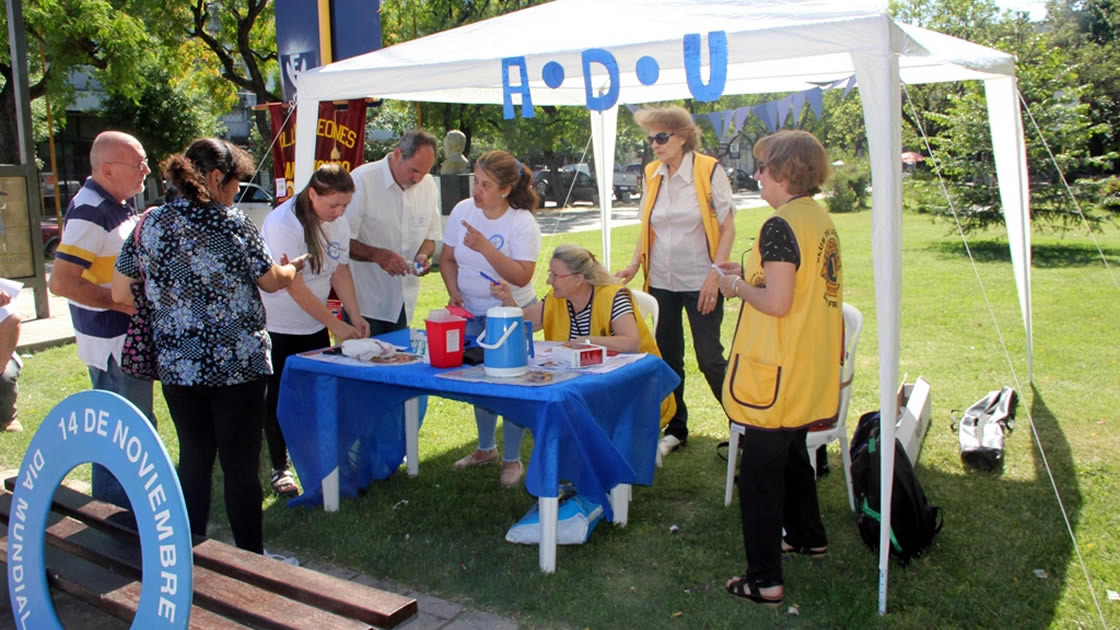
138,358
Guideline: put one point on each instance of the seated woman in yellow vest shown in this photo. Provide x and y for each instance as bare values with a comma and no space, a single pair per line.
587,302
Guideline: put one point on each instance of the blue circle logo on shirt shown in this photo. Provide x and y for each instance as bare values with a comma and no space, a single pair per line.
497,240
104,428
334,250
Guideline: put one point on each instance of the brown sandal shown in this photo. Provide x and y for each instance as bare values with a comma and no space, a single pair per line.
284,484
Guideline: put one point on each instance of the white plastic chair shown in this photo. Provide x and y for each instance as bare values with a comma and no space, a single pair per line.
853,323
647,305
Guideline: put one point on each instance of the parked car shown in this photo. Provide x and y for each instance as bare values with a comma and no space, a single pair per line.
65,191
741,180
51,237
626,182
255,202
583,190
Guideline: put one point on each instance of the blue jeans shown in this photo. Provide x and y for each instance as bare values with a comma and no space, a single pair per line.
139,392
487,421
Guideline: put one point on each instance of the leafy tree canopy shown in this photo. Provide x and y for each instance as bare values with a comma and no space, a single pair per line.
1057,118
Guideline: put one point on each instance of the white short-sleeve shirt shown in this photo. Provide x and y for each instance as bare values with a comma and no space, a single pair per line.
383,215
515,234
680,260
283,233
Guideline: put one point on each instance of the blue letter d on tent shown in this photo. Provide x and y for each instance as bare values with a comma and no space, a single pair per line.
607,98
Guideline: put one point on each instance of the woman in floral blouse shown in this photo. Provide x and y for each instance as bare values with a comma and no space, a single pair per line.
201,261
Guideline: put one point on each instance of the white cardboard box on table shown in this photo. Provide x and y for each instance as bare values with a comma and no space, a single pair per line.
579,354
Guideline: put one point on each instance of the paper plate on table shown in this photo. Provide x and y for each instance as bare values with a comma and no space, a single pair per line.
400,358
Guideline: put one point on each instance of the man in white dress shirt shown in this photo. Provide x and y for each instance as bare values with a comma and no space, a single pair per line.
394,222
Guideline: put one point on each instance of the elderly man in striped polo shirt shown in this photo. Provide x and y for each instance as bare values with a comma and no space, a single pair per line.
98,220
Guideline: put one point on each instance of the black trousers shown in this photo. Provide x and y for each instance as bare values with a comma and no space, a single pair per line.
226,422
705,341
776,489
284,346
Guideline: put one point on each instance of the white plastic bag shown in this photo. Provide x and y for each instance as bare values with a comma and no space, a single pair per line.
366,349
577,517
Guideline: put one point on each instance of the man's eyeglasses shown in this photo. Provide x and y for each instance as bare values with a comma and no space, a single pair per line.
141,165
760,166
660,138
552,275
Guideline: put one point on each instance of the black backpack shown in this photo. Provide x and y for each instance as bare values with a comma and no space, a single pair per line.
914,522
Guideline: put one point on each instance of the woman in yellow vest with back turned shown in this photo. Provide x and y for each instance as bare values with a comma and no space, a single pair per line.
587,302
784,367
688,224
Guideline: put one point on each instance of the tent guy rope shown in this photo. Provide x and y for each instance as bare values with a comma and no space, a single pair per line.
1007,354
268,151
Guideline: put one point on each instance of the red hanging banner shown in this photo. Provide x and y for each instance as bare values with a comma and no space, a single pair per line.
340,136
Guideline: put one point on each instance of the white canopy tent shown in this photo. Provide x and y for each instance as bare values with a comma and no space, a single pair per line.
771,46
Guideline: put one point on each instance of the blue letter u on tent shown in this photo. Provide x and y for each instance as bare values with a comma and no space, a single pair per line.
717,62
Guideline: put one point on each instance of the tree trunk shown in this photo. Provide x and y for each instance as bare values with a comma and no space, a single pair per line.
9,133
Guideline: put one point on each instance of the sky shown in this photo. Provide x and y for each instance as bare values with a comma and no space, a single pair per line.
1037,8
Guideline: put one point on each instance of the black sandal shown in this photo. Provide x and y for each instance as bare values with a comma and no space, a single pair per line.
751,590
812,552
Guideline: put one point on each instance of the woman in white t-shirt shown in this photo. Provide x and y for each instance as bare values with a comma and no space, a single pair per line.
493,237
297,319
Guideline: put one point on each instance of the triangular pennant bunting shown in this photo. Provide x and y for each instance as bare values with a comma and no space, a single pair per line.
783,109
814,97
798,105
740,117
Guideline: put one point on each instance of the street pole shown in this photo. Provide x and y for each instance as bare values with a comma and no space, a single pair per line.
17,44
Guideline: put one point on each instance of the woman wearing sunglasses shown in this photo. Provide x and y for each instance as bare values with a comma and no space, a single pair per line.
688,225
785,360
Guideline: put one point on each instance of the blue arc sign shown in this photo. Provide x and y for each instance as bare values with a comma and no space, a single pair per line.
102,427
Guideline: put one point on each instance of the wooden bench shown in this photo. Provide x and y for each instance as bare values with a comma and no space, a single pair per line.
93,557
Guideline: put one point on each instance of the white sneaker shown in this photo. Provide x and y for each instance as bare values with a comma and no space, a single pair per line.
668,444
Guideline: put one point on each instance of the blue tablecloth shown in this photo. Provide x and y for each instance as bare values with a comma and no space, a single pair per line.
596,430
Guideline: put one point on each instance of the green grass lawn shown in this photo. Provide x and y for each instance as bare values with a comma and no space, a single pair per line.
443,532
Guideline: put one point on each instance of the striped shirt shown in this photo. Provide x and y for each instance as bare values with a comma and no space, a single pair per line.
96,226
581,321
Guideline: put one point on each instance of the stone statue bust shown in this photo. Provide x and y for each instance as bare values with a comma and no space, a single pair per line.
453,160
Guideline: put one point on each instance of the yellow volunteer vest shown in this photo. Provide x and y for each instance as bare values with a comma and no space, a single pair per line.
703,167
558,327
784,372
